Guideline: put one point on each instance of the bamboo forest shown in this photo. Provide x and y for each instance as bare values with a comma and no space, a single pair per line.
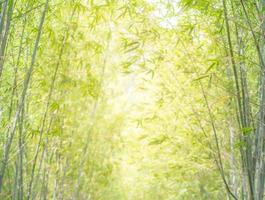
132,99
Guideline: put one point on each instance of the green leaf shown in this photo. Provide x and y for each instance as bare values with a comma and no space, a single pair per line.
158,140
209,68
201,77
246,130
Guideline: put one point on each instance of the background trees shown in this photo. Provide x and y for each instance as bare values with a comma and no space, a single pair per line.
139,99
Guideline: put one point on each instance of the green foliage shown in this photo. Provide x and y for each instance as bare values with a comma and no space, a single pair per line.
126,100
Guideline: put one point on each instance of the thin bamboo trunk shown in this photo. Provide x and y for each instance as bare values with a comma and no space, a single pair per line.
5,35
62,49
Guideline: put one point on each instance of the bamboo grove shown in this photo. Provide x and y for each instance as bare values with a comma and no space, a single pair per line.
132,99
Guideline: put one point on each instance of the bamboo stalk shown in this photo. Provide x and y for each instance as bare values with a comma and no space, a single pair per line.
5,36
